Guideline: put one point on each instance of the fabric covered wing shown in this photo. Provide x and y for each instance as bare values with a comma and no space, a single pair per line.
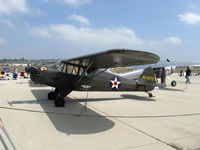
116,58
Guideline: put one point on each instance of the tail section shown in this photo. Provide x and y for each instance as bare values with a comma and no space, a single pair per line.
147,80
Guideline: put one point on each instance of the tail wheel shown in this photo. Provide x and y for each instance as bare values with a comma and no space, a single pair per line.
150,94
173,83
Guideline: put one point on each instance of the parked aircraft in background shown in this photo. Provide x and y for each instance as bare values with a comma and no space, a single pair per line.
168,66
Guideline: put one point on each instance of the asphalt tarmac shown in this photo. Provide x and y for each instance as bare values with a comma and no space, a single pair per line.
100,120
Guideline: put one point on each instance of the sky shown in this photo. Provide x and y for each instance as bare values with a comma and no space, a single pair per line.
62,29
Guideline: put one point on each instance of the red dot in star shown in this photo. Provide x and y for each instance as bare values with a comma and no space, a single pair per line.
115,83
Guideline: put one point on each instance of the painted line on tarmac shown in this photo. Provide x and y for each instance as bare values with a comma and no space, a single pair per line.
139,130
108,116
3,143
7,135
1,138
11,103
99,116
9,139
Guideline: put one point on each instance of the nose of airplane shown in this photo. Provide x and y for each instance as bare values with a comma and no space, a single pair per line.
170,69
173,68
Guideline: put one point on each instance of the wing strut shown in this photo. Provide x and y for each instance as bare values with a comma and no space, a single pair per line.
89,65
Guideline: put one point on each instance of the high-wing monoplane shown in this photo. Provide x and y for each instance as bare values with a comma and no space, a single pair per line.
89,73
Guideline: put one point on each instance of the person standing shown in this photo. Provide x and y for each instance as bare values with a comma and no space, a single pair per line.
163,76
188,75
181,73
15,71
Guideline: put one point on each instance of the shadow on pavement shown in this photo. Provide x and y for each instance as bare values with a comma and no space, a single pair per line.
73,124
172,89
139,98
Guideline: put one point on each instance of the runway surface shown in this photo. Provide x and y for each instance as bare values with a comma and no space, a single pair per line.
103,121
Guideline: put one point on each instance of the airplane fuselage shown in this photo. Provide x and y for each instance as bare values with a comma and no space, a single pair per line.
94,81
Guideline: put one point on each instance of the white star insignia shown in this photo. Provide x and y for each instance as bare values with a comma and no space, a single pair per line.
115,83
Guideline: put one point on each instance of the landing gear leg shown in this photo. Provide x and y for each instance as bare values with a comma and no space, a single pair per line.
59,101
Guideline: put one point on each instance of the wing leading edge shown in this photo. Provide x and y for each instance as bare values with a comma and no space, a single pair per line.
115,58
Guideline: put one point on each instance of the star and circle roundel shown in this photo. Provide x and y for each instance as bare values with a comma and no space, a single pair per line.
115,83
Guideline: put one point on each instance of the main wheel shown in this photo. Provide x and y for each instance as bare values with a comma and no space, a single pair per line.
173,83
52,95
59,102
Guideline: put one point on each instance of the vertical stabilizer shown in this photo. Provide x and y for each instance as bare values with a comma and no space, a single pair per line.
147,80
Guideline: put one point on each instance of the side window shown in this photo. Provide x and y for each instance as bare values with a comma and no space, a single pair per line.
64,67
74,70
82,70
60,68
69,69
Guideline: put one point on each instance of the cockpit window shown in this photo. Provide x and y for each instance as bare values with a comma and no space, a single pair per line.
76,67
73,69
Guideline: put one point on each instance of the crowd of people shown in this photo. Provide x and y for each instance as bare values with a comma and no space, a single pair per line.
6,74
161,73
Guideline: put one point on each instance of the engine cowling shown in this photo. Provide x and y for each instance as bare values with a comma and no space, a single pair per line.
170,69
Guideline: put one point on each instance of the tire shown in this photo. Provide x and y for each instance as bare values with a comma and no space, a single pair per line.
173,83
59,103
150,95
52,95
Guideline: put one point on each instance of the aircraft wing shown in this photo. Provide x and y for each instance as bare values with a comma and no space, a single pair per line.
116,58
163,64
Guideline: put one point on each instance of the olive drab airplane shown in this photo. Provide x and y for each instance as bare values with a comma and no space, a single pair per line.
89,73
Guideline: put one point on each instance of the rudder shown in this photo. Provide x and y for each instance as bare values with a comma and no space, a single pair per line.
147,80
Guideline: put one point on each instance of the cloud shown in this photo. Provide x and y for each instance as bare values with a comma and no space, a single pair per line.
190,18
192,6
8,23
45,1
77,2
40,12
42,32
10,7
105,37
81,19
173,40
3,42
